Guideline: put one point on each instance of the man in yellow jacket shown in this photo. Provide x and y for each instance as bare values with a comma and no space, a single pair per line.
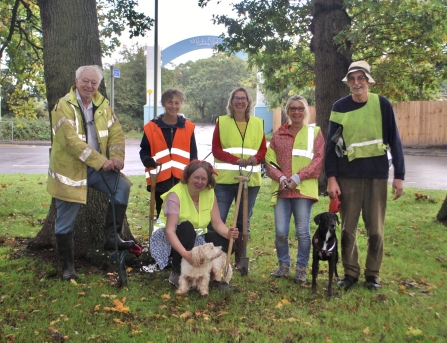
87,138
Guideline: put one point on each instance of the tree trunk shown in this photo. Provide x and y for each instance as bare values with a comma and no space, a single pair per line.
331,65
88,231
442,214
70,40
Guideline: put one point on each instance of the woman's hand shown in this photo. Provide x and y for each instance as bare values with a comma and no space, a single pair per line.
292,184
233,232
252,161
188,256
242,162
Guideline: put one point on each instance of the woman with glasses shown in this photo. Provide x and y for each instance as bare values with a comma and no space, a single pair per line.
239,147
294,161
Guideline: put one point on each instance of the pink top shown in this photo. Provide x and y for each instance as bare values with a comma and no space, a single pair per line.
282,143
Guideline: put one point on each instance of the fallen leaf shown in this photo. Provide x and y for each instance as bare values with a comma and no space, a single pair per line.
186,314
366,330
166,296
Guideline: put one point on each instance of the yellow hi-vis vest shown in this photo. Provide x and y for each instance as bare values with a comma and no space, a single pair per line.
302,155
362,130
233,143
188,211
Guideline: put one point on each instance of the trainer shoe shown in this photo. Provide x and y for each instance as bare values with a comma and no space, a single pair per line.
283,270
173,279
372,283
347,282
300,275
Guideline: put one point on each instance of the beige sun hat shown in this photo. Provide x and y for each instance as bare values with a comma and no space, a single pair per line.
359,66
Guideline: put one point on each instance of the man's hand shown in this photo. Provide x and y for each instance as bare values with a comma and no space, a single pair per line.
117,163
398,188
333,187
108,165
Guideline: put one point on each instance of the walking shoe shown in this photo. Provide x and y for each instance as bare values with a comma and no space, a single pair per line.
300,275
222,286
283,270
372,283
347,282
173,279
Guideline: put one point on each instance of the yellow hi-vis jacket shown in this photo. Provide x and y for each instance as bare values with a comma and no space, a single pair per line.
188,212
302,155
362,130
233,143
173,161
71,155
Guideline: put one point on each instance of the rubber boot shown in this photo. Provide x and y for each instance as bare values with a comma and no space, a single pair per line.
109,230
65,250
238,251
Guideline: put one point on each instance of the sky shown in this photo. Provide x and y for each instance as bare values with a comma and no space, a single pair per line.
179,20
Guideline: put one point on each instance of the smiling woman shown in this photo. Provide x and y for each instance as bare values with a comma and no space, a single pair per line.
189,207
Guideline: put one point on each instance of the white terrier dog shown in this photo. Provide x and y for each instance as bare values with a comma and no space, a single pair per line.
207,261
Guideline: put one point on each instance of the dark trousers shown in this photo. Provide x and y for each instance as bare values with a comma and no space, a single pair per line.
187,236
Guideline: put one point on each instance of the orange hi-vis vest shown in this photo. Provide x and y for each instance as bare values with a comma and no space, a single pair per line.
174,160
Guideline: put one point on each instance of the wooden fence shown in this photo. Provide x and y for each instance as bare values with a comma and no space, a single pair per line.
420,123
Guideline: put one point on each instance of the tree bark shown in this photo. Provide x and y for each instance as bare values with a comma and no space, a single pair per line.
442,214
70,40
331,62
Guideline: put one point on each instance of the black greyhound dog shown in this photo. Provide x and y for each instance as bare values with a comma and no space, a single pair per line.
325,247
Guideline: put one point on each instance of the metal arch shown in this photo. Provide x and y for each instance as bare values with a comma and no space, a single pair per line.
191,44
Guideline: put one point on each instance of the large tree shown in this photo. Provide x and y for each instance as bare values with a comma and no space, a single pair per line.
71,39
404,41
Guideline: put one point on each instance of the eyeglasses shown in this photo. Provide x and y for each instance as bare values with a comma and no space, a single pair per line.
358,78
243,98
296,109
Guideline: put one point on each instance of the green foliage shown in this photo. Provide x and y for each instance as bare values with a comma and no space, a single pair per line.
36,129
404,41
130,88
207,84
114,16
37,306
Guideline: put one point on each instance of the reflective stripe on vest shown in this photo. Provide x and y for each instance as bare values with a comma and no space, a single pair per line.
362,129
65,180
173,161
233,143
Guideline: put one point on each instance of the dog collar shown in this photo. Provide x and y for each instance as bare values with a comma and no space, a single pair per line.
324,253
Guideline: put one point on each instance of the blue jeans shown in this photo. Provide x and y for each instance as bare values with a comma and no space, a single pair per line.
68,211
226,195
301,209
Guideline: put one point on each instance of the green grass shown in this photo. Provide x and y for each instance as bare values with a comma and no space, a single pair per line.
38,307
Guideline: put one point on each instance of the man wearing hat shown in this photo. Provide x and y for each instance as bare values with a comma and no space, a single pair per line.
362,141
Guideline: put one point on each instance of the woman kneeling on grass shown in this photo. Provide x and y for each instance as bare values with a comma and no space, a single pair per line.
188,208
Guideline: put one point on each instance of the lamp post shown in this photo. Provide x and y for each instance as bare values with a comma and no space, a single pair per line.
149,91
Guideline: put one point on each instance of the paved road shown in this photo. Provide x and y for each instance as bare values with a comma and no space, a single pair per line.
426,168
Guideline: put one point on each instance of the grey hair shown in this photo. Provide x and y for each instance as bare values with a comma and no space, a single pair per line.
303,101
93,67
230,109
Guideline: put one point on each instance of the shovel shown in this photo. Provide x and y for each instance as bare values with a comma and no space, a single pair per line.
153,175
119,256
236,211
244,259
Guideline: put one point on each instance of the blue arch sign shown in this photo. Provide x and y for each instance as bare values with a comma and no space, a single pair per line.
188,45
